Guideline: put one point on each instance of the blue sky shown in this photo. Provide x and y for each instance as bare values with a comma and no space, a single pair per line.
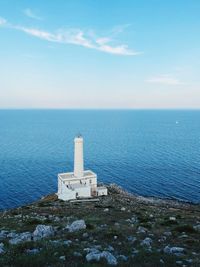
100,54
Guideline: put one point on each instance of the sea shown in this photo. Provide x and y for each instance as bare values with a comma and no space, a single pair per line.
147,152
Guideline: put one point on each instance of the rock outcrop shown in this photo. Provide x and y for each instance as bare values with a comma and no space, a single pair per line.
76,226
115,230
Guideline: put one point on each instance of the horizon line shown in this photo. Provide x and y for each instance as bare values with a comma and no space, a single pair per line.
102,109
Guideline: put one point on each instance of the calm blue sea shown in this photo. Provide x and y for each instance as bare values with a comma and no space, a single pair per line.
150,153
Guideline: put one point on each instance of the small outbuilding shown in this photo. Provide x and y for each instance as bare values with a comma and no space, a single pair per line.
102,191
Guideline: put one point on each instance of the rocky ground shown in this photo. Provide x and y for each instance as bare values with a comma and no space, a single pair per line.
116,230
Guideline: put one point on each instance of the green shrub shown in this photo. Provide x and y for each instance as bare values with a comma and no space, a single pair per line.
34,221
185,228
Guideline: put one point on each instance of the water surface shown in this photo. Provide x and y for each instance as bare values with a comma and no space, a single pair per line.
151,153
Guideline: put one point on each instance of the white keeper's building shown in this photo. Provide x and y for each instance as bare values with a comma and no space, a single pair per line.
79,183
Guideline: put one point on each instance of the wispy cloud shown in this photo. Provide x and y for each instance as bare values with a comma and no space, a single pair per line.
81,38
78,37
165,79
29,13
38,33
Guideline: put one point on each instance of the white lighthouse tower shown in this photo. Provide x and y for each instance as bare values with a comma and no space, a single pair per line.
78,156
80,183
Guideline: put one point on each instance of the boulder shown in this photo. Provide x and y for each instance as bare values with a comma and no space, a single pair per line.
162,261
135,251
167,249
111,260
197,227
189,261
76,226
93,256
141,230
1,248
178,251
167,233
183,236
43,231
56,219
122,257
20,238
162,239
85,235
55,242
62,258
133,220
33,251
89,250
110,248
96,256
12,235
103,225
131,239
147,242
67,242
3,234
77,254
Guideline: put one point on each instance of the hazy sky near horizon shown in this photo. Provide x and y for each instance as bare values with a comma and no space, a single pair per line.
100,54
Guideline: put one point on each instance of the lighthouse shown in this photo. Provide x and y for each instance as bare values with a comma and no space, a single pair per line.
80,183
78,156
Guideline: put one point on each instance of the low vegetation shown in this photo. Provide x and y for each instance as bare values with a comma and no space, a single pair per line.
119,229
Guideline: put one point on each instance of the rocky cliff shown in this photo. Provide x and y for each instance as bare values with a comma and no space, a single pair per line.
115,230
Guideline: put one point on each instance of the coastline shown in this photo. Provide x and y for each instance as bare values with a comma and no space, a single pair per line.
119,229
141,198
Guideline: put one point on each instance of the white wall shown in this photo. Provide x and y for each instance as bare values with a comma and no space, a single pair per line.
83,191
102,191
66,194
92,181
78,157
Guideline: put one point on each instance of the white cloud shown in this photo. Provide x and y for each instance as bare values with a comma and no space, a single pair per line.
2,21
79,37
29,13
37,33
165,79
118,50
103,40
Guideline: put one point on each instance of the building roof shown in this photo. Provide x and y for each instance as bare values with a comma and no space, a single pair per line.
74,186
101,188
70,175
